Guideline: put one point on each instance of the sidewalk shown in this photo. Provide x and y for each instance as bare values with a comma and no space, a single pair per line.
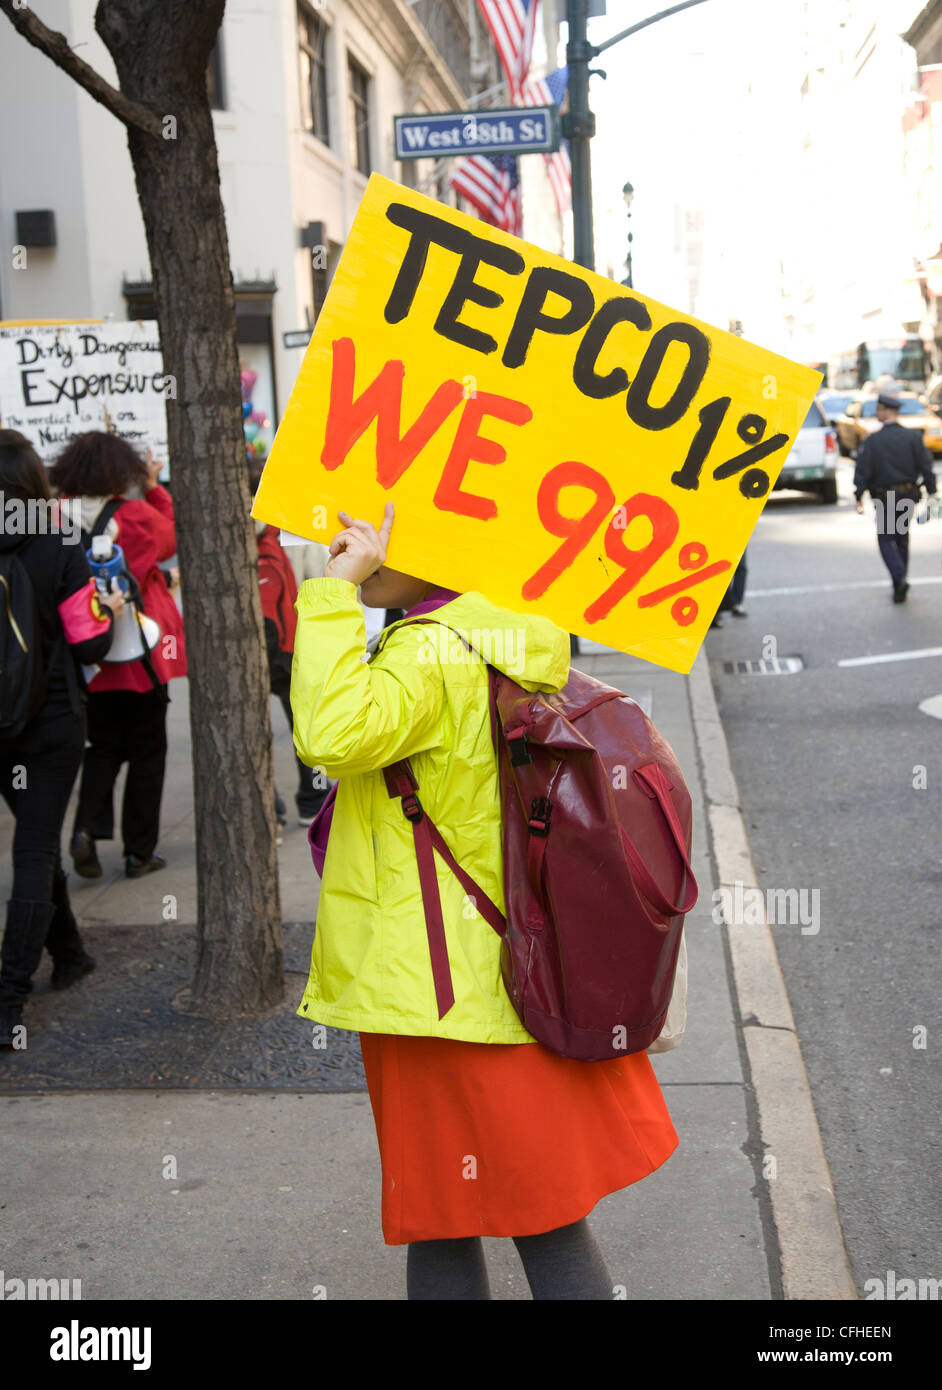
274,1193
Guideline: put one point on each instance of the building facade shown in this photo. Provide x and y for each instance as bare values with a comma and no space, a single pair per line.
853,276
922,135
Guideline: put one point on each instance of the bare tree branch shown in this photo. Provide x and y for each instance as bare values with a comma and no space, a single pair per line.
56,47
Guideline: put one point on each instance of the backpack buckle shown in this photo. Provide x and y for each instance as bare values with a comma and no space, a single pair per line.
412,807
539,822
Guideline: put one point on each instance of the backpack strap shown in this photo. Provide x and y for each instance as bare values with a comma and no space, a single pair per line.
105,515
148,664
401,782
101,520
653,783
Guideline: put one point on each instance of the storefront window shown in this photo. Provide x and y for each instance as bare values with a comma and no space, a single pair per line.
258,409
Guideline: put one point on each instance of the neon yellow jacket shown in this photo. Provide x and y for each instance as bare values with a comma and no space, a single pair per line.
424,698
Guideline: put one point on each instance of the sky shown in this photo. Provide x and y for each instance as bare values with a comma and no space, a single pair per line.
702,110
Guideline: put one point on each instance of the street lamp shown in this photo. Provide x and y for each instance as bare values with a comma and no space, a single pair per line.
628,194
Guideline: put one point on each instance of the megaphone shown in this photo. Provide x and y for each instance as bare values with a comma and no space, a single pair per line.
133,633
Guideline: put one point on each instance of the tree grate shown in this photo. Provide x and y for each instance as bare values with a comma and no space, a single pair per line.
767,666
118,1028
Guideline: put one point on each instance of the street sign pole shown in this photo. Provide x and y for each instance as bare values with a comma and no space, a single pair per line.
579,127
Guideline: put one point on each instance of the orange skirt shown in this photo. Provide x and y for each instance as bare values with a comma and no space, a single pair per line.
491,1139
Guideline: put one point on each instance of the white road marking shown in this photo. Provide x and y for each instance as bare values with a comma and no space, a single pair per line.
832,588
891,656
932,706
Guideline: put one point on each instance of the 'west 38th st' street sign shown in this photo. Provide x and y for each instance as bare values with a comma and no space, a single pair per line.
516,130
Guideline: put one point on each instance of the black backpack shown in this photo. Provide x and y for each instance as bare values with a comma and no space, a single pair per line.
22,668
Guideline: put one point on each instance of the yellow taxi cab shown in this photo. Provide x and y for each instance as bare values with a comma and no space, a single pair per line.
860,419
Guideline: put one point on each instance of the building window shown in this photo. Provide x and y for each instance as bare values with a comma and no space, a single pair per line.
312,53
359,85
214,82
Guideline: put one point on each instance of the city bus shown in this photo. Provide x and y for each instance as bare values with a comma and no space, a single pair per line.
905,359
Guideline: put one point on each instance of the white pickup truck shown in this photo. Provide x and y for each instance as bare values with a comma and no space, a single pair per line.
811,465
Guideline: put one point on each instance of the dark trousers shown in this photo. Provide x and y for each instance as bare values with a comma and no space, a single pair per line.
37,773
737,587
894,514
124,726
312,784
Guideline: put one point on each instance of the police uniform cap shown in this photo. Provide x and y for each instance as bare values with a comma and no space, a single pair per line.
888,402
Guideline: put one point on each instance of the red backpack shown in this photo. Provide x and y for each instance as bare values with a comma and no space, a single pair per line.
279,591
596,821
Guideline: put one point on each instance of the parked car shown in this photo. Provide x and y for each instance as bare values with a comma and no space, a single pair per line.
834,403
811,465
860,419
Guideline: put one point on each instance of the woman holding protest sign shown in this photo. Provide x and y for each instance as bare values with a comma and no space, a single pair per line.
46,582
119,496
482,1130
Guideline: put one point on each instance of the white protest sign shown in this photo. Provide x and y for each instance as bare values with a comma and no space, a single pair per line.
58,380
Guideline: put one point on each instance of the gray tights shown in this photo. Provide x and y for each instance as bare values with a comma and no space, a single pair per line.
562,1264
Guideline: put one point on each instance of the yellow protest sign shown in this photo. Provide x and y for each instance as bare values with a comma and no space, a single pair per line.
560,443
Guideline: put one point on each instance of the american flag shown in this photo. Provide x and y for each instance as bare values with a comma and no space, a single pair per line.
512,24
551,91
492,185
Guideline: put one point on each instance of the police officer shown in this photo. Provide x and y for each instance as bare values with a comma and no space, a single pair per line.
889,463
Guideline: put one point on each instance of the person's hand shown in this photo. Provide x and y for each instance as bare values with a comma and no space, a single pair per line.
174,577
153,467
115,600
860,505
358,550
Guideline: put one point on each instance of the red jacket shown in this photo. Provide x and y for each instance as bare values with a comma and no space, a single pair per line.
146,534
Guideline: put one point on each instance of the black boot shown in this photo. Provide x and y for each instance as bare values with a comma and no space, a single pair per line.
26,931
70,961
84,855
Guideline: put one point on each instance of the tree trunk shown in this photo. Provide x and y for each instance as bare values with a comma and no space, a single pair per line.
161,52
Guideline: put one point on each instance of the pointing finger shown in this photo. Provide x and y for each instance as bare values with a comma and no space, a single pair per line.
386,524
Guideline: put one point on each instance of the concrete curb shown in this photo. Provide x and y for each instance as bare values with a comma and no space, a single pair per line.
814,1260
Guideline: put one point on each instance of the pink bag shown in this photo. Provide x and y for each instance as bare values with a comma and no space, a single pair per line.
319,829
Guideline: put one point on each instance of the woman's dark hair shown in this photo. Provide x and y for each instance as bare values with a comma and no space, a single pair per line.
22,472
97,465
256,468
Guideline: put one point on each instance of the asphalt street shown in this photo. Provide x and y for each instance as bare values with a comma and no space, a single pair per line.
838,771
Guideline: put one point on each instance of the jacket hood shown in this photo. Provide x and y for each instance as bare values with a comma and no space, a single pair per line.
529,649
